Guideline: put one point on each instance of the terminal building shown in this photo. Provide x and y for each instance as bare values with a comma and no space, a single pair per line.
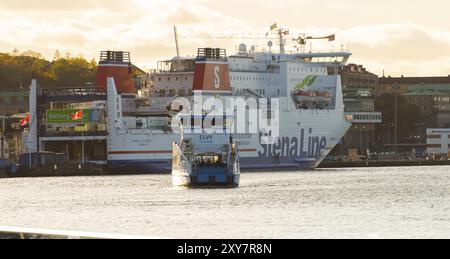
72,121
359,87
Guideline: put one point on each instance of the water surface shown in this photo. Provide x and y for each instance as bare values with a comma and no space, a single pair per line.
409,202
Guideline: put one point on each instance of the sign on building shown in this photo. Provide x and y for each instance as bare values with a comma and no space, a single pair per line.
65,116
438,141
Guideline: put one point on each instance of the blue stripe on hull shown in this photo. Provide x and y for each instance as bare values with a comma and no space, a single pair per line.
247,164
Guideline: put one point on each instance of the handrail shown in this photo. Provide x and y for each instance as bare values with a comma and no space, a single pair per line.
183,157
236,159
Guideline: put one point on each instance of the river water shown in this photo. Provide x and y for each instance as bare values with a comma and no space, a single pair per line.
410,202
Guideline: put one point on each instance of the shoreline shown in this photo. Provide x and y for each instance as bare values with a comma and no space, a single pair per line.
374,163
324,165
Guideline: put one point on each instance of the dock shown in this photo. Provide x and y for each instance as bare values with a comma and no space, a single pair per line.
377,163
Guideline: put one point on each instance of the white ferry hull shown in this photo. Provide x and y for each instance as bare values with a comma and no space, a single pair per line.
151,153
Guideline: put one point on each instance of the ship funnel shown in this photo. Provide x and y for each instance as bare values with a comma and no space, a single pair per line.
115,64
211,75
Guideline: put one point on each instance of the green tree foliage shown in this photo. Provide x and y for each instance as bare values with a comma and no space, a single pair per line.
408,115
18,69
72,72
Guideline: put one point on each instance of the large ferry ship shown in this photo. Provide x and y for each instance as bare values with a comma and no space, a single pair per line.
304,105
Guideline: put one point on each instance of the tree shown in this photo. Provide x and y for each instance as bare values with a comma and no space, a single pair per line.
18,69
72,72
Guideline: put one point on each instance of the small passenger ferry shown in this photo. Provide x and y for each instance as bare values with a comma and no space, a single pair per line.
206,155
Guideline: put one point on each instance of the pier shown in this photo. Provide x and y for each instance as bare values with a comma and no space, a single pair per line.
376,163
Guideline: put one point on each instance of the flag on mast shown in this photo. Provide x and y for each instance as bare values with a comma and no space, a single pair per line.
274,27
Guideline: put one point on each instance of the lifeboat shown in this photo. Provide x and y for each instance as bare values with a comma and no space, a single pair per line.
312,98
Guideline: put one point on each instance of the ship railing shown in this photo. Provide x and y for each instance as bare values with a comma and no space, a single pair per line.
75,134
236,163
115,56
183,159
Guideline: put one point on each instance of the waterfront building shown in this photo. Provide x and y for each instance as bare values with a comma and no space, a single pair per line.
433,102
359,87
431,96
401,85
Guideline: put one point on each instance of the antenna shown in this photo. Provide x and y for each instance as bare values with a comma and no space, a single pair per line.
175,31
281,33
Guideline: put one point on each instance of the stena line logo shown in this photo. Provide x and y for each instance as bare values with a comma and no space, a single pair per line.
302,146
217,77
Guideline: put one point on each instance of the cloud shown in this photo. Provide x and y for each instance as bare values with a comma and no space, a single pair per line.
145,28
416,49
338,6
183,15
60,5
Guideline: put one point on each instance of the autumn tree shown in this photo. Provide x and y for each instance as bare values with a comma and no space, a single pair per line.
18,69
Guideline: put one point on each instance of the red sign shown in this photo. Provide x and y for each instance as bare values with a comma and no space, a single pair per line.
77,116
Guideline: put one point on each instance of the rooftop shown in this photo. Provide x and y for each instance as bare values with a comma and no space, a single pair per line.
426,92
414,80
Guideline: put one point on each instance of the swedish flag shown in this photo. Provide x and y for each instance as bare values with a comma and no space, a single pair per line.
273,27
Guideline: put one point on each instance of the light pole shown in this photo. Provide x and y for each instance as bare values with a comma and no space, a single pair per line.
396,122
387,126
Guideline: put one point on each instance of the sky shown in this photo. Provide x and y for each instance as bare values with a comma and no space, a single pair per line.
402,37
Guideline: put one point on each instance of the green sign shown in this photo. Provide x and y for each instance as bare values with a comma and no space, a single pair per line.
65,116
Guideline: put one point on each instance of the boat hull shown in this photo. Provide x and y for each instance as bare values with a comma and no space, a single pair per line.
180,179
247,165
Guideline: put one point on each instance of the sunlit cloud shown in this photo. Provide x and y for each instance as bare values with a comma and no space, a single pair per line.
397,44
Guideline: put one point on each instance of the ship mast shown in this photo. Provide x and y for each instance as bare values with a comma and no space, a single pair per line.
282,42
175,31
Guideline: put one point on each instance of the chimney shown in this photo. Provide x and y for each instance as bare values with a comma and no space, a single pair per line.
211,75
116,64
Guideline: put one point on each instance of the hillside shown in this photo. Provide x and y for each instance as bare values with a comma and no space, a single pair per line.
17,70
